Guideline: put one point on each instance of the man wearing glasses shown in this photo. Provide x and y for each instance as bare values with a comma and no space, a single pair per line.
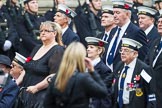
133,80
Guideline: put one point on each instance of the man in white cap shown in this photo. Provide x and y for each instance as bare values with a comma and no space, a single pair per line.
133,81
125,28
63,17
146,19
17,71
154,60
107,21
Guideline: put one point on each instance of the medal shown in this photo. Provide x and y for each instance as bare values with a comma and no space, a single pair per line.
139,92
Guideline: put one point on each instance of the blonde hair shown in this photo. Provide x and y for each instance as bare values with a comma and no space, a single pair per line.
73,58
103,50
56,27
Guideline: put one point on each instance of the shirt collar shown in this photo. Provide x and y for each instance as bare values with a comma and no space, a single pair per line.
149,29
132,64
64,29
96,61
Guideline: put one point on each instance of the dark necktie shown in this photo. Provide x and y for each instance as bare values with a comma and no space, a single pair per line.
158,49
112,51
105,37
120,94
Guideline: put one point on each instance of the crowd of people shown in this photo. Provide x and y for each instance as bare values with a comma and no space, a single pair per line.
93,56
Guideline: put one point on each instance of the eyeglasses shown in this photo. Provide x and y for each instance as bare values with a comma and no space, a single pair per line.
46,31
125,50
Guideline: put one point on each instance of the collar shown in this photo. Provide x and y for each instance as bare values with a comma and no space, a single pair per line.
149,29
124,27
132,64
64,29
96,61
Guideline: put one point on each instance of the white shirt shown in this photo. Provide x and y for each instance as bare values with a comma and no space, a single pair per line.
96,61
149,29
122,31
64,29
128,79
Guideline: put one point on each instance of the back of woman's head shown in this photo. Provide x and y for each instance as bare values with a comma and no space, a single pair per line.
56,27
73,59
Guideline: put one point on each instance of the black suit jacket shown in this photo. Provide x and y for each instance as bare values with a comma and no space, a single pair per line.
152,35
69,36
135,33
157,69
147,88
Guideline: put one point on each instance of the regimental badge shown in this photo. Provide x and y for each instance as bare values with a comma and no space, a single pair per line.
139,92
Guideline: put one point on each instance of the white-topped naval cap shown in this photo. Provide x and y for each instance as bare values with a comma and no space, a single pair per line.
130,43
66,10
107,9
146,10
95,41
20,59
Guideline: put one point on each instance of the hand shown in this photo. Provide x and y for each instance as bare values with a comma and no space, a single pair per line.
7,45
32,89
89,65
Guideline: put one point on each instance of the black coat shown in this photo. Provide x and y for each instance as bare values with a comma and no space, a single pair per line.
80,88
157,70
147,88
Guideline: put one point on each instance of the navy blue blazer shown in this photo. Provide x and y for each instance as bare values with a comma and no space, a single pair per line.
157,69
69,36
152,35
135,33
9,94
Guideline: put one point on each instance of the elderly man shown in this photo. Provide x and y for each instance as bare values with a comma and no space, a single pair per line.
8,88
125,28
63,17
146,19
154,60
133,80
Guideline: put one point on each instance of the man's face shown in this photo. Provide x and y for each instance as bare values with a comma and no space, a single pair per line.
4,68
159,26
107,19
145,21
32,6
97,4
127,54
120,16
60,18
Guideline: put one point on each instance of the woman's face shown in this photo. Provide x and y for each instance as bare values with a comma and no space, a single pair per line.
93,52
47,33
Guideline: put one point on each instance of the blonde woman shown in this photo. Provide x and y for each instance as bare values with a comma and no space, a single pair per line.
36,67
73,86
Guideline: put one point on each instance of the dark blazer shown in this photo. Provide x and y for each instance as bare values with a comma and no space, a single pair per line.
147,88
79,89
152,35
135,33
104,73
8,95
69,36
157,70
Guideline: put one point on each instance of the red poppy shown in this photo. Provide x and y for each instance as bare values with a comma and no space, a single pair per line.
100,43
67,11
137,77
126,6
28,59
